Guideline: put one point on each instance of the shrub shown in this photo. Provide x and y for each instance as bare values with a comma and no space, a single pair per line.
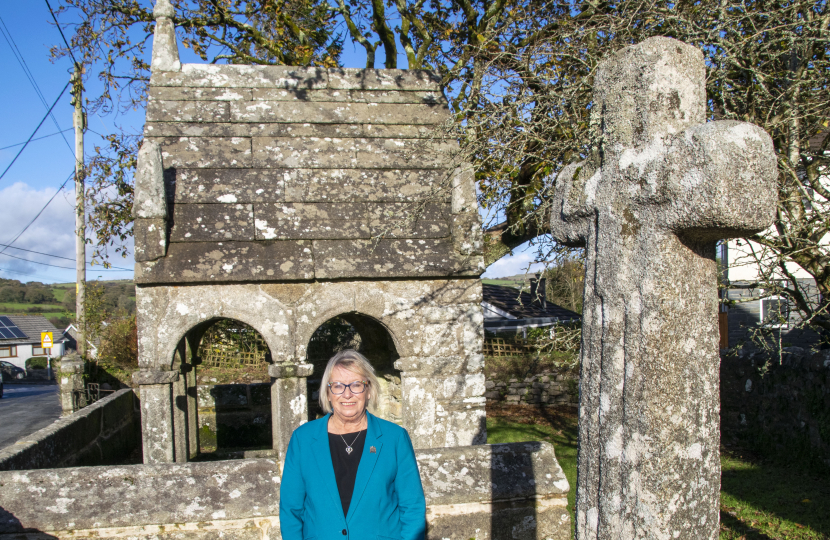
119,343
36,362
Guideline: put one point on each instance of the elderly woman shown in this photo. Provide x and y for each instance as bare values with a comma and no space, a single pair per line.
351,460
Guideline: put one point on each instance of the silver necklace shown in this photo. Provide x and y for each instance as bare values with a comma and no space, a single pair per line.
349,448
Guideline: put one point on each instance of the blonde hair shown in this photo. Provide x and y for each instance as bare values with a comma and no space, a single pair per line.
354,362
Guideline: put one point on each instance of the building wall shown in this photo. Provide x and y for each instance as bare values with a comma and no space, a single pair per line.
24,352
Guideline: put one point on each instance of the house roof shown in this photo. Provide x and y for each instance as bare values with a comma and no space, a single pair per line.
32,326
524,305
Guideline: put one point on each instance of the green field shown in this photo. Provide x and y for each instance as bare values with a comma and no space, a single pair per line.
502,282
23,307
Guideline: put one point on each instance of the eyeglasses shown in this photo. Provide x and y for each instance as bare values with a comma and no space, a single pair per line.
357,387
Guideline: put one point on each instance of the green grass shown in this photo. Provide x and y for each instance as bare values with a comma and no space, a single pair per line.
759,501
19,306
502,282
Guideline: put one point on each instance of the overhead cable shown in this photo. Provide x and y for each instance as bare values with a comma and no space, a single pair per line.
35,131
68,48
37,138
59,257
29,75
41,211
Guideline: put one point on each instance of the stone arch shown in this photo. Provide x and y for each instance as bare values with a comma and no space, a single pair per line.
371,338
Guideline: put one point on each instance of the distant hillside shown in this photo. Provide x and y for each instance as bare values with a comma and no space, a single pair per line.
516,281
57,301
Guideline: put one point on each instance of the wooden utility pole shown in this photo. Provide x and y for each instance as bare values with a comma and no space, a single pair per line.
79,122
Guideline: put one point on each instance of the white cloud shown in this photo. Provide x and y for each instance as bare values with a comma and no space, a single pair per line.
51,233
517,263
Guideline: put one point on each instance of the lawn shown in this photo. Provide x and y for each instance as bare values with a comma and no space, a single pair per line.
759,501
23,307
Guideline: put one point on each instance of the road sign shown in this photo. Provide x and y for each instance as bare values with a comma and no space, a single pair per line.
46,340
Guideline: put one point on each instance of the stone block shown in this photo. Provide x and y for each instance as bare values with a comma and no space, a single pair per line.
155,377
336,113
318,185
390,258
118,409
195,186
229,261
206,152
335,153
150,200
209,494
150,239
243,76
383,79
187,111
165,93
312,220
350,96
287,371
204,222
467,236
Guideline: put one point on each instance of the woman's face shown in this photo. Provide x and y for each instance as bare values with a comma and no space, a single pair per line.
348,405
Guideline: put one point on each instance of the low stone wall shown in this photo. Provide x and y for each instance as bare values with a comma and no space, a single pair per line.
782,409
107,431
478,492
545,389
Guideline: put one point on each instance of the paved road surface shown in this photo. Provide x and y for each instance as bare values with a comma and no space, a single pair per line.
25,409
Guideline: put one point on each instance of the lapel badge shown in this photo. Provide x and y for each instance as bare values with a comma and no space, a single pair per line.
373,450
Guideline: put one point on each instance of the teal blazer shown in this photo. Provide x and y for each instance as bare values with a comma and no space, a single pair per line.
388,499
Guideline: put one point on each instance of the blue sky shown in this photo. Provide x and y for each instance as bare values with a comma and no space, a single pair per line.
46,163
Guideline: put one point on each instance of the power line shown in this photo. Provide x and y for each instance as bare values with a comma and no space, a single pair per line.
41,210
37,138
35,131
28,72
113,268
65,42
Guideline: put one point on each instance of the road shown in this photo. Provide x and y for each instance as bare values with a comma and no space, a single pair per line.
26,408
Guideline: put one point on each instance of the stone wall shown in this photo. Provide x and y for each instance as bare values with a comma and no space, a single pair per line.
560,388
107,431
481,492
780,410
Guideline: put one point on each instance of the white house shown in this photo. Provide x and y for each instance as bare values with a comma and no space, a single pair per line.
20,338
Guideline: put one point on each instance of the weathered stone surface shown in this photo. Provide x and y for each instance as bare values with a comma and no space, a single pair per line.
467,235
165,93
202,222
349,185
89,498
350,96
187,111
150,196
650,206
165,49
334,153
525,498
350,220
229,261
336,113
229,185
289,406
206,152
155,377
69,439
193,129
286,371
311,220
383,79
239,76
150,239
390,258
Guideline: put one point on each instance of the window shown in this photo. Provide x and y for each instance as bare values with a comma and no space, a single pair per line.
775,312
38,351
8,351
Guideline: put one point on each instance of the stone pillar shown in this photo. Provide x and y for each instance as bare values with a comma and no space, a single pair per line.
289,402
71,379
158,432
443,400
192,402
180,410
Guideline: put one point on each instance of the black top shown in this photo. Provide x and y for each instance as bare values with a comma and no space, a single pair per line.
345,464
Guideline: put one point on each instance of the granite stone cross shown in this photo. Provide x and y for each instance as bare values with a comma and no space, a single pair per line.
657,191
